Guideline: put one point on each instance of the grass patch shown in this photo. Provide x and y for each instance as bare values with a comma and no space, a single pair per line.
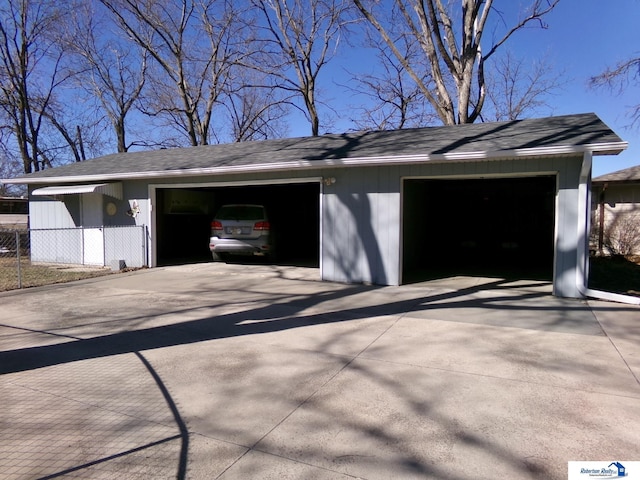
616,274
35,275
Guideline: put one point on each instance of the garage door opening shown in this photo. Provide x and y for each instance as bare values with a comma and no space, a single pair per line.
184,221
479,227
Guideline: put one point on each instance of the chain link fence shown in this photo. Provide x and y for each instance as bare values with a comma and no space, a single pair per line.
36,257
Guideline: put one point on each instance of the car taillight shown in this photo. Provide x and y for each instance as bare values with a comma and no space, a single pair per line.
215,225
262,226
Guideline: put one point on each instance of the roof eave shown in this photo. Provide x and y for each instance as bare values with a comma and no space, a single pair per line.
623,181
612,148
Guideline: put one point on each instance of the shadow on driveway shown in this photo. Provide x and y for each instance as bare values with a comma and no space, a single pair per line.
555,315
283,316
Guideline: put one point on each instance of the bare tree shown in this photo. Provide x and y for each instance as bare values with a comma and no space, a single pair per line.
194,46
9,168
301,37
455,58
619,77
256,111
110,71
517,88
621,233
32,72
395,100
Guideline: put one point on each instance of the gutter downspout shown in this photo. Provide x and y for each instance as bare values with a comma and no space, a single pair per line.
584,224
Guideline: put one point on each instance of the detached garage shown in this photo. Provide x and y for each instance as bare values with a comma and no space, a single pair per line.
389,207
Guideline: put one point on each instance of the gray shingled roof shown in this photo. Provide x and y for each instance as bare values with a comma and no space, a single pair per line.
631,174
544,136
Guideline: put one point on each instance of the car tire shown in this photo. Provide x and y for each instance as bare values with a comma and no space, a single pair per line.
216,257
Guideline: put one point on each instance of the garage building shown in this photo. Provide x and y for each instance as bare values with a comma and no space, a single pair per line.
387,207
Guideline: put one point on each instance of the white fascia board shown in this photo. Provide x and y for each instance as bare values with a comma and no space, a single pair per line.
239,183
595,149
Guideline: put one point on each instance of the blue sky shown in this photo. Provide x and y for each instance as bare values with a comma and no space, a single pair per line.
583,39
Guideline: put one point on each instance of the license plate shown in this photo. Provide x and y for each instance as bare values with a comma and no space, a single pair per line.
238,230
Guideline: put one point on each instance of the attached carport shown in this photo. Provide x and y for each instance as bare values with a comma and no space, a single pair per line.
184,214
478,226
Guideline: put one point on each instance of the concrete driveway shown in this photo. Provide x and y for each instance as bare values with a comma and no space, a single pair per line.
222,371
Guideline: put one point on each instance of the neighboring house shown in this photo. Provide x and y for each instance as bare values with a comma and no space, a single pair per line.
616,212
14,222
387,207
14,213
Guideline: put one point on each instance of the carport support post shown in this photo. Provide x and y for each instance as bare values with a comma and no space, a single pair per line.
601,220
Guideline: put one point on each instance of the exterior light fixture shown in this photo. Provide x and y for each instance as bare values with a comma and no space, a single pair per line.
329,180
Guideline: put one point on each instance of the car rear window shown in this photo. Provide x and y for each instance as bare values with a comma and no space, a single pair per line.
240,212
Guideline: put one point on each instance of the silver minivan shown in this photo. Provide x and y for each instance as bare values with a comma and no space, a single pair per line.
240,229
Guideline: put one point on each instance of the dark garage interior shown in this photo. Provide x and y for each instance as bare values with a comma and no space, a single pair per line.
499,227
184,218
